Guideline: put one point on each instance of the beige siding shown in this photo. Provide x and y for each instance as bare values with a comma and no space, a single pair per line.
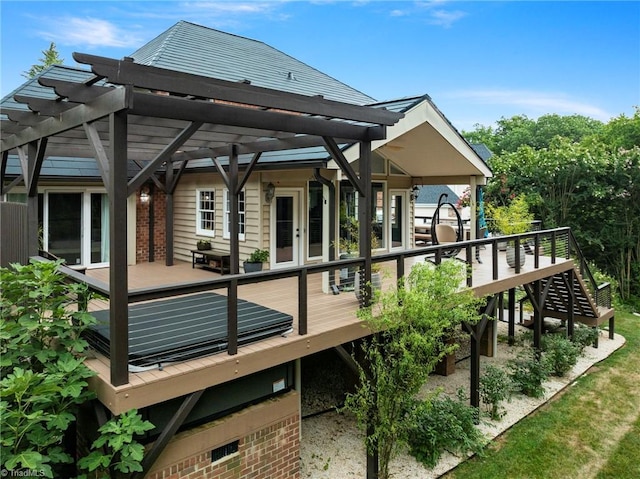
185,236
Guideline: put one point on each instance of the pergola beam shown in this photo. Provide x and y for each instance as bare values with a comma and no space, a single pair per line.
115,100
126,72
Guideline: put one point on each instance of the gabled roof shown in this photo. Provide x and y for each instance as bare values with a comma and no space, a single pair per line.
200,50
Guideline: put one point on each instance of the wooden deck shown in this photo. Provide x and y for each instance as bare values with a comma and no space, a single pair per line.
332,320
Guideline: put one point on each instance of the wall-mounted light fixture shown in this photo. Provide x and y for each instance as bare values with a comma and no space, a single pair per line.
145,196
269,192
415,192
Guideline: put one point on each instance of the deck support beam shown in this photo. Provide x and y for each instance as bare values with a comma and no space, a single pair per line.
169,431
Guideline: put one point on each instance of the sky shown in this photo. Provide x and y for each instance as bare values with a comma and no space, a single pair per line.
479,61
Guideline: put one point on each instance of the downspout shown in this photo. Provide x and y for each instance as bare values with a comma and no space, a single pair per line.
332,216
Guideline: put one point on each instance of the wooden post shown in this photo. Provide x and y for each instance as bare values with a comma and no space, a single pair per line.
118,277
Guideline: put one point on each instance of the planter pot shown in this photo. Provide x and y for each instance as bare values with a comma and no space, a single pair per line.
347,274
511,256
376,284
252,267
204,246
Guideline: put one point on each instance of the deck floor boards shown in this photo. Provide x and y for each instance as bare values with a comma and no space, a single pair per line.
332,320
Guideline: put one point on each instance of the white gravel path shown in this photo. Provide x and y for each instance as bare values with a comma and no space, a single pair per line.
333,448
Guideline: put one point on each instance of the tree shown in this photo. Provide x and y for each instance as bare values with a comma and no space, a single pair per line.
49,57
414,323
520,130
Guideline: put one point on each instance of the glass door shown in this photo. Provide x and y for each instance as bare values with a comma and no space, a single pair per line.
64,226
285,229
76,227
397,219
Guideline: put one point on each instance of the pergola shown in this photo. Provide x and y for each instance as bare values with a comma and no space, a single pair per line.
160,120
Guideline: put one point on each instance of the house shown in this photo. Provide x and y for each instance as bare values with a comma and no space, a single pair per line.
128,163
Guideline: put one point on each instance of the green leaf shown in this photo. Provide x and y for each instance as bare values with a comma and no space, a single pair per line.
27,460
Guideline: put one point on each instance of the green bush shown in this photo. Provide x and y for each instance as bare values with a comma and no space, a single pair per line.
528,372
495,387
584,336
561,354
42,370
44,379
444,424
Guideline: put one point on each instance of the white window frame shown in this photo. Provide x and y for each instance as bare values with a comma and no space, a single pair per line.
199,211
242,214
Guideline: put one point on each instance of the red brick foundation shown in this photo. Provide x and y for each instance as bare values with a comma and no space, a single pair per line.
268,436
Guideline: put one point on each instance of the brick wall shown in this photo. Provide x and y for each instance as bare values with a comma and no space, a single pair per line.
142,228
268,436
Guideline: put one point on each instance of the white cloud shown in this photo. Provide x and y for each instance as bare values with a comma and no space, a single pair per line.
89,32
445,18
535,102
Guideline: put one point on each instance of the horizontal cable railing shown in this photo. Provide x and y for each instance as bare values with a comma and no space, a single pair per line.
309,286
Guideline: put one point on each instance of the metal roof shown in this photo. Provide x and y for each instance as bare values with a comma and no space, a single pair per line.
200,50
429,194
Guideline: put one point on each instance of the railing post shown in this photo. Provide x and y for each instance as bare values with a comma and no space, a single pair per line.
232,317
302,302
494,258
517,254
469,266
536,251
553,247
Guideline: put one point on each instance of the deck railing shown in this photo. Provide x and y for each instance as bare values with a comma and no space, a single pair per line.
601,292
555,243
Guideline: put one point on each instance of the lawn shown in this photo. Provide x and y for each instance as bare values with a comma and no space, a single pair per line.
590,431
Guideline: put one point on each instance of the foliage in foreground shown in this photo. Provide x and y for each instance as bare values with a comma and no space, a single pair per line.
44,378
495,387
412,324
443,424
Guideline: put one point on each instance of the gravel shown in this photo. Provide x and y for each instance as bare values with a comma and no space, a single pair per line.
332,447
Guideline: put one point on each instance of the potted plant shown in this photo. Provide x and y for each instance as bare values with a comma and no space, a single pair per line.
510,220
255,260
203,245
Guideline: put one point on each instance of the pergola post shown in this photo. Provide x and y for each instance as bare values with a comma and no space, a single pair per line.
365,214
118,277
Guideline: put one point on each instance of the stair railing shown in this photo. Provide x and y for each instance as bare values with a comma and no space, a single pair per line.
601,292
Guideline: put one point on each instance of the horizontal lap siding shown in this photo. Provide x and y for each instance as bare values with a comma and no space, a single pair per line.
185,237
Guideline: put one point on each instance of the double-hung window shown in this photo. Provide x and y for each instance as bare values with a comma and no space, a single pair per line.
205,212
227,215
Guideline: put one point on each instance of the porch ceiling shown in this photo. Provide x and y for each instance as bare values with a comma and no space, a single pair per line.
428,148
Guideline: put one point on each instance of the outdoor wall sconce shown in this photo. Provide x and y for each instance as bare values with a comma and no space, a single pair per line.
144,195
415,191
269,193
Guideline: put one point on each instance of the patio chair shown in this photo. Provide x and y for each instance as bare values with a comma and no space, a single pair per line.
443,233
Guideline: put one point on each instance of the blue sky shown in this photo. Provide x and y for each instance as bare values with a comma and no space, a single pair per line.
479,61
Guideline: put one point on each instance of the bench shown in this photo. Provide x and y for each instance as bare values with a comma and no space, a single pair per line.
210,259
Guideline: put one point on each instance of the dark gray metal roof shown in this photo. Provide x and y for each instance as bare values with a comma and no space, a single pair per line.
429,194
200,50
482,151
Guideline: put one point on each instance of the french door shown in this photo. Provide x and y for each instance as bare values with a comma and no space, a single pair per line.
285,229
76,227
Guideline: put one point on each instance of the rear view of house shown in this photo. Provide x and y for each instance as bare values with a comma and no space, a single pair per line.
202,136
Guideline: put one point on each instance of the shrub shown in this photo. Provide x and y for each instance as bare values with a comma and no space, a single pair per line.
584,336
561,354
495,387
528,372
444,424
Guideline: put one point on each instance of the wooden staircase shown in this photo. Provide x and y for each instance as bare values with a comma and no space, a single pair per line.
567,291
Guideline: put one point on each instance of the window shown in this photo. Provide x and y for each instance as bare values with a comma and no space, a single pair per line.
227,215
205,212
349,215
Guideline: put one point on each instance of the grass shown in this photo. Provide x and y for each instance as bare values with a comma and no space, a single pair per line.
590,431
